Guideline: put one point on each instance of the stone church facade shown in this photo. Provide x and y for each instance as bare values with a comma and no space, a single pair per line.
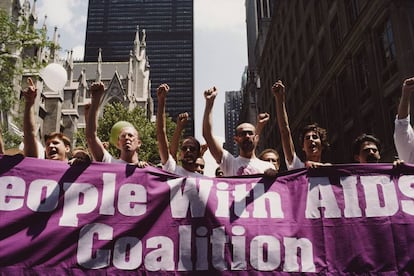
63,111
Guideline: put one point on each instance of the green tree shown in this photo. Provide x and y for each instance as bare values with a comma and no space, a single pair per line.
115,112
10,139
19,46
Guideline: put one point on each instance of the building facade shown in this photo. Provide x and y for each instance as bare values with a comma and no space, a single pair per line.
343,63
232,108
258,18
112,24
127,82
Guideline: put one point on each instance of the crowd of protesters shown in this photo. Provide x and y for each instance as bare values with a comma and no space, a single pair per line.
366,148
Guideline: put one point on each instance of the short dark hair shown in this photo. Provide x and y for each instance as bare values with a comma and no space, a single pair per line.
60,136
323,134
356,145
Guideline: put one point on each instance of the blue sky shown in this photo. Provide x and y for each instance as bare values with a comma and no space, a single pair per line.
220,53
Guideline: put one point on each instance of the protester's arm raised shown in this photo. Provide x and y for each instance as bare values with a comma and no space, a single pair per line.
216,149
262,120
278,90
29,125
1,142
162,139
175,141
404,106
95,145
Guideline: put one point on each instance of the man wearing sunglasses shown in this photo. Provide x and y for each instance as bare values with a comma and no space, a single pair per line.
246,139
366,149
190,148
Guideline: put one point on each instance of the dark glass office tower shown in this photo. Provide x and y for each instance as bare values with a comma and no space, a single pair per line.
112,25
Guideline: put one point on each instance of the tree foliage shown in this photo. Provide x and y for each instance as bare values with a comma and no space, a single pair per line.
11,140
115,112
19,44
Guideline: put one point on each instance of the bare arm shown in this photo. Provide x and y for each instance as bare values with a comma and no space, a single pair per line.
278,90
1,142
404,106
216,149
87,108
29,125
181,122
203,149
262,120
162,139
94,143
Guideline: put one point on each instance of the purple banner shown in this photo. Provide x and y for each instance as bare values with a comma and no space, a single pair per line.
113,219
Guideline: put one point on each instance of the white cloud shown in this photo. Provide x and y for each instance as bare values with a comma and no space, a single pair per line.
69,16
78,52
218,15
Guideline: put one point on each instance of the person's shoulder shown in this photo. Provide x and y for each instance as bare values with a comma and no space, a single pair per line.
296,163
228,156
264,164
183,172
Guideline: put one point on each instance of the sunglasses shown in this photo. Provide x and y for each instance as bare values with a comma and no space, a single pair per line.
186,148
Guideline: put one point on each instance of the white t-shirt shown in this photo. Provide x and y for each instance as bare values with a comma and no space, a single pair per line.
172,167
233,166
108,158
404,139
296,163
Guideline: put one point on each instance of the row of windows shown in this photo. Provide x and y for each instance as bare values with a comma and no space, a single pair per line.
130,23
137,9
142,14
318,16
163,46
177,28
318,60
350,92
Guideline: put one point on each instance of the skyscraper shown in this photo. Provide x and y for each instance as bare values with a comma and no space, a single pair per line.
343,63
232,107
112,25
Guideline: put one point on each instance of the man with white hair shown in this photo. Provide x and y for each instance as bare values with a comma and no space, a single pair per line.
127,139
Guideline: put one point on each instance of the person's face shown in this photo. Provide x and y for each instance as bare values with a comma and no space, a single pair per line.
246,137
272,158
189,151
128,140
368,153
312,144
56,149
199,165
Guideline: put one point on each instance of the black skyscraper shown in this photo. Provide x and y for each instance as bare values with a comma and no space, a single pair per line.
112,25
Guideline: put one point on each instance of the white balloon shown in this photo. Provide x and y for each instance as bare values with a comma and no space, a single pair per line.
55,76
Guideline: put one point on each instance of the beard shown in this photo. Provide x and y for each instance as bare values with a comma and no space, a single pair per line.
247,146
188,159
